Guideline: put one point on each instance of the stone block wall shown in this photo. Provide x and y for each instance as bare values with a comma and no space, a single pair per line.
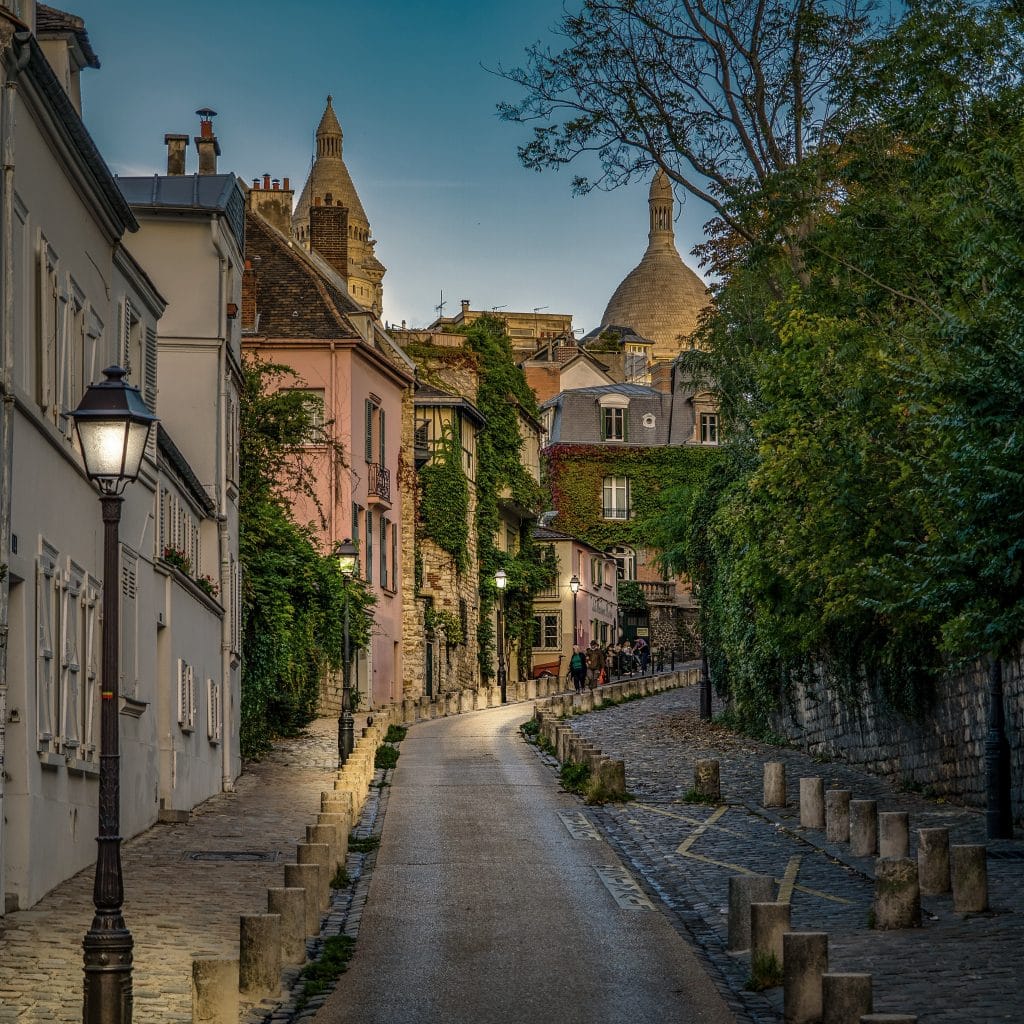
943,752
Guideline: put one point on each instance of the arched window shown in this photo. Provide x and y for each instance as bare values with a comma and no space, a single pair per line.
625,558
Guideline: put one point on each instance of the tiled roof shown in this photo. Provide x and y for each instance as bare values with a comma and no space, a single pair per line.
50,21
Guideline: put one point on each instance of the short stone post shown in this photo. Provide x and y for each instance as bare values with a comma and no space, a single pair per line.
319,854
863,828
259,955
611,778
307,878
837,815
743,891
706,780
290,906
214,990
812,802
933,860
894,834
768,923
775,784
970,879
342,825
845,998
897,901
328,835
804,961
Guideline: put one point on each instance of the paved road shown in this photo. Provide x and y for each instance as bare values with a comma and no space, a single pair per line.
493,899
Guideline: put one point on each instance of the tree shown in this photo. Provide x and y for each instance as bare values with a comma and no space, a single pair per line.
728,97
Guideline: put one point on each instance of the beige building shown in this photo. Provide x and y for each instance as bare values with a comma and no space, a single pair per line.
526,331
80,301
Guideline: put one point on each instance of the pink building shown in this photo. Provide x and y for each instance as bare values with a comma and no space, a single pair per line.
297,311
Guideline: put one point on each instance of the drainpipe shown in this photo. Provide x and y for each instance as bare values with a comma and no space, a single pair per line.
22,53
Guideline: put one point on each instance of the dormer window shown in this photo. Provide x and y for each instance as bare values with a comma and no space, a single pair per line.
614,410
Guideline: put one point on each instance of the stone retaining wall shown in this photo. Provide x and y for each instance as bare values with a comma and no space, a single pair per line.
943,753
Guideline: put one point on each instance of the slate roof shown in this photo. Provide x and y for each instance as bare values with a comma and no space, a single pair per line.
426,395
51,21
170,451
546,535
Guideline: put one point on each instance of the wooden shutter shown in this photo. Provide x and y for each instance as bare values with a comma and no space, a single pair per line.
368,406
382,445
46,625
128,668
149,372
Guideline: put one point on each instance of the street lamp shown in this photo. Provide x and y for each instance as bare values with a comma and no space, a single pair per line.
501,581
346,553
113,427
574,586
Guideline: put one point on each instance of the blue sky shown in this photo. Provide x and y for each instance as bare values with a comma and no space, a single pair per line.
448,201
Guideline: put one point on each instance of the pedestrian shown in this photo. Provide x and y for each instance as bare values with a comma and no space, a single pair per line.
594,662
643,653
626,657
577,669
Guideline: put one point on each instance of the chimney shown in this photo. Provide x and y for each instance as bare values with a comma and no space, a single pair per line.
176,146
465,306
248,299
272,203
661,376
206,142
328,235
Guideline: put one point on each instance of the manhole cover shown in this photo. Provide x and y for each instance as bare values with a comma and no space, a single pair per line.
251,856
1006,855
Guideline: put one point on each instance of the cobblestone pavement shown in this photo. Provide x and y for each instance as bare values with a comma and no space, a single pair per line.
176,906
956,967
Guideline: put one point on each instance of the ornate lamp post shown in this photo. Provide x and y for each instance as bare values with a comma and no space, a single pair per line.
501,581
574,586
113,427
347,554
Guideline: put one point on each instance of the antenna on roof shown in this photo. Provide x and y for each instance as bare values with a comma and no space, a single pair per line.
494,309
440,306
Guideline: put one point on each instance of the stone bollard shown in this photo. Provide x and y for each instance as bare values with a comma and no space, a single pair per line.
214,990
706,780
768,923
933,860
290,906
775,784
307,878
343,826
845,998
743,891
894,834
863,828
812,802
611,778
888,1018
259,955
319,854
970,879
328,835
897,901
804,961
336,803
837,815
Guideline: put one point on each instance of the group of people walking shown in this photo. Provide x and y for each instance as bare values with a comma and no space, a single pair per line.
595,665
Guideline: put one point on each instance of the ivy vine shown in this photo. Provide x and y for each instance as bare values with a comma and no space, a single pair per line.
444,506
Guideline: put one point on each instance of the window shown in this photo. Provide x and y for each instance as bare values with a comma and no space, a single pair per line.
314,404
615,497
128,666
625,559
394,556
383,552
613,424
709,428
374,447
369,545
186,696
546,632
596,572
214,712
356,511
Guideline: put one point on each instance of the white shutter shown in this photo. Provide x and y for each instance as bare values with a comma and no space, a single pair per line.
46,669
71,666
128,667
186,696
90,663
213,711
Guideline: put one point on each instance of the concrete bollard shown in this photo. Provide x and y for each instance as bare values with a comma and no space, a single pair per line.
327,834
845,998
970,879
897,901
290,906
894,834
259,955
837,815
319,854
768,923
863,828
343,826
933,860
888,1018
775,784
307,878
812,802
611,778
214,990
706,780
743,891
804,961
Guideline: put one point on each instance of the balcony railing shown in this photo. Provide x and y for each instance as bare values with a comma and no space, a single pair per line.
379,484
615,513
658,592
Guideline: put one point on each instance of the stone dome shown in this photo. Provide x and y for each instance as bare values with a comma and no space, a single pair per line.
661,298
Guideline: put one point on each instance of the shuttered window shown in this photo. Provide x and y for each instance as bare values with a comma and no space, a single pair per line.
368,447
369,545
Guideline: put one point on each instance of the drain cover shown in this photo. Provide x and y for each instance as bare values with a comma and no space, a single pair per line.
250,856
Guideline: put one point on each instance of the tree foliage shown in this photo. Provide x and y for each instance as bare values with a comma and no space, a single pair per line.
293,597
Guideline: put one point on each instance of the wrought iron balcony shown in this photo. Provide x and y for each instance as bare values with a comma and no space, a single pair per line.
379,483
615,513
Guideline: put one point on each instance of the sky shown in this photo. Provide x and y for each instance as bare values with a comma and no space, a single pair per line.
452,209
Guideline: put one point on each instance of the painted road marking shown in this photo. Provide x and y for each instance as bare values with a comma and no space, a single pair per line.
686,820
789,879
684,846
624,889
579,826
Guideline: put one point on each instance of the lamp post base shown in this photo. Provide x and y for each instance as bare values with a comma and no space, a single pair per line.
347,735
108,972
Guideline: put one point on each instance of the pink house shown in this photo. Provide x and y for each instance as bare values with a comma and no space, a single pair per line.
297,311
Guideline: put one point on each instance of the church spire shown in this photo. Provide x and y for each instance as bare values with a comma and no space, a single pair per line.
328,133
661,202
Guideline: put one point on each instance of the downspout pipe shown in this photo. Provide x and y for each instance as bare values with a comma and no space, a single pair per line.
21,53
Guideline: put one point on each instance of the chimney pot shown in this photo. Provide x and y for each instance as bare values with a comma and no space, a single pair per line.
176,146
277,184
287,185
255,182
206,142
328,199
465,305
266,181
